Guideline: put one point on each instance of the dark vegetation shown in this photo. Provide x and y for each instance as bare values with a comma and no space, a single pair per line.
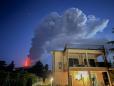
23,76
40,70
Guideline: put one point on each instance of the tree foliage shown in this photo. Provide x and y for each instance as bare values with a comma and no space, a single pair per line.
11,66
2,65
40,70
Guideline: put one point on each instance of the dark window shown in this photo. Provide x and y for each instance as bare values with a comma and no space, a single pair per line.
73,62
85,61
92,62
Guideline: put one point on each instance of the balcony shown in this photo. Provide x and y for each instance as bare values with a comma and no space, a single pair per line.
75,62
88,69
97,64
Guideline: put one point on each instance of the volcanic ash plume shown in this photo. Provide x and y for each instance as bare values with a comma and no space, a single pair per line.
55,30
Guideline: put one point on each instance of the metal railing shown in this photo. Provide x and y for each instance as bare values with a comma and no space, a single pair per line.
97,64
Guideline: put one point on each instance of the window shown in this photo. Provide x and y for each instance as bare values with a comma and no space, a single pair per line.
85,61
60,65
91,62
73,62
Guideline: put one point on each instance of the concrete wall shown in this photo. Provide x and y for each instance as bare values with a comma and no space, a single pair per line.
61,79
60,76
86,80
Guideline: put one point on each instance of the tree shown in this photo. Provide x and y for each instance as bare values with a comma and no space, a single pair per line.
46,67
45,72
40,70
11,66
2,65
37,69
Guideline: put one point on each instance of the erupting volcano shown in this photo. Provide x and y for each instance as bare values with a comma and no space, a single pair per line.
27,62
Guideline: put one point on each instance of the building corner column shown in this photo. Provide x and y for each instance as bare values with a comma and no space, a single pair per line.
109,78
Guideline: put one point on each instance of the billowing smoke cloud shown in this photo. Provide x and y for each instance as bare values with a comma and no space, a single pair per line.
56,30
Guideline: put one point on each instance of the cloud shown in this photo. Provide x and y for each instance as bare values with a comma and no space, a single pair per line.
55,30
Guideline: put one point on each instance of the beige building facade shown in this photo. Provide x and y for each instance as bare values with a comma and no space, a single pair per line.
80,67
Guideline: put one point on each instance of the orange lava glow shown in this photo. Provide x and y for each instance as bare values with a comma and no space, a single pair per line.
27,62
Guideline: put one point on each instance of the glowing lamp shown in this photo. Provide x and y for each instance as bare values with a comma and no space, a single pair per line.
51,79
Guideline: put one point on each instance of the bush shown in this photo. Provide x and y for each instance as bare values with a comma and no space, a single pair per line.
16,79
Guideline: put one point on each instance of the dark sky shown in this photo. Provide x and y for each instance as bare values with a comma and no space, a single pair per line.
19,19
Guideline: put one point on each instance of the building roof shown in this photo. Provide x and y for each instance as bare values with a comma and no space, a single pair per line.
82,46
85,46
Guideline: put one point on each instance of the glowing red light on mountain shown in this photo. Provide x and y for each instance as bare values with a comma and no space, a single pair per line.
27,62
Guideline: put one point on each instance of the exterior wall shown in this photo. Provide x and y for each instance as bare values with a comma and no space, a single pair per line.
60,76
61,79
99,77
111,73
86,81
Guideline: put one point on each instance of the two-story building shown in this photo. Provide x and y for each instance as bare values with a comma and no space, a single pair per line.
80,65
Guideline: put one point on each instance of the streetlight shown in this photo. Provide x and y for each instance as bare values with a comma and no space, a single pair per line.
51,80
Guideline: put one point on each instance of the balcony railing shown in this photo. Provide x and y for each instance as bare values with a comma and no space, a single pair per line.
98,64
110,65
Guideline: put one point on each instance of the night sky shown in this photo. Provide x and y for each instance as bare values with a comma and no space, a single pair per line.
19,19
